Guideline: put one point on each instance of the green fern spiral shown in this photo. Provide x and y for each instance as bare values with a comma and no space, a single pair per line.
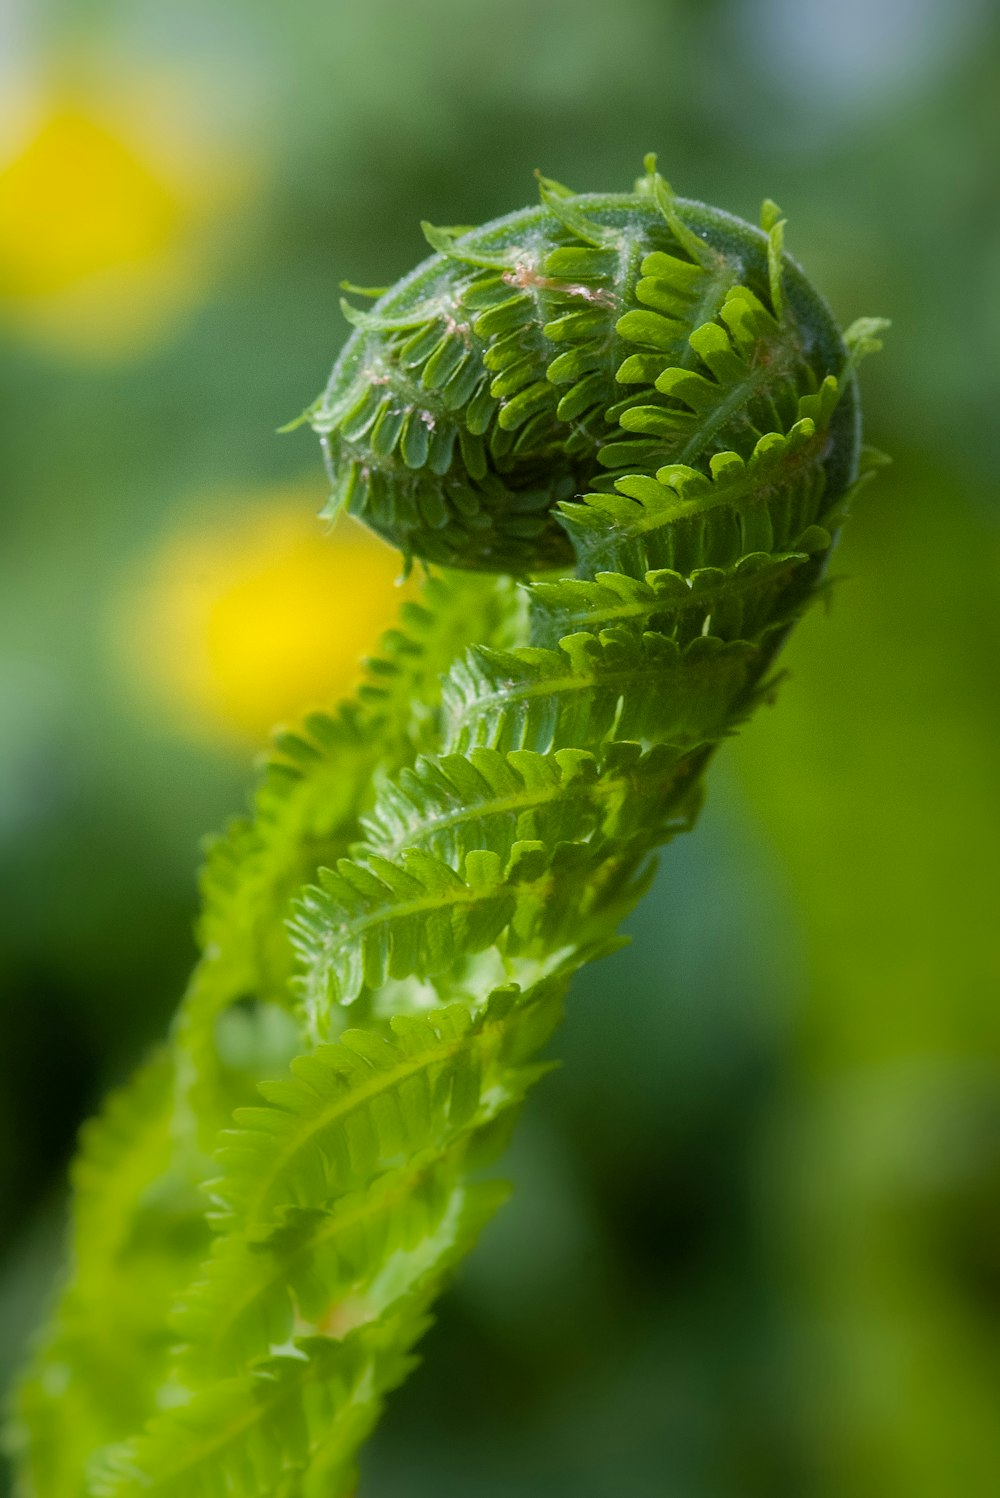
646,395
550,353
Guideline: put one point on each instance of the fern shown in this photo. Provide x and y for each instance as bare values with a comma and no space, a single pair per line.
636,387
742,600
138,1231
306,813
616,685
374,1098
454,804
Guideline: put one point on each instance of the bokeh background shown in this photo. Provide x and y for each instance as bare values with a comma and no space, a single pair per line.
755,1243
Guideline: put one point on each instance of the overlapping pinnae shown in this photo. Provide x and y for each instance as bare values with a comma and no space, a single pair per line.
639,387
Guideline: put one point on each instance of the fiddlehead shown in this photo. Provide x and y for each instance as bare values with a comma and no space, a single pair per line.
648,392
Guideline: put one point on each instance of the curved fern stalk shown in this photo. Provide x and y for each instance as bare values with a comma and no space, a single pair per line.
640,389
139,1220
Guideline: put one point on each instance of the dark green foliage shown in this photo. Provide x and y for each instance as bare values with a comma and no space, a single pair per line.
640,385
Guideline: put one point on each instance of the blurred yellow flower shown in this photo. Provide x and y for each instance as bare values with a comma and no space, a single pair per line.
247,621
99,212
75,202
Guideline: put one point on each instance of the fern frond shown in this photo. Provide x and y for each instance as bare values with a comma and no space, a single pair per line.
366,923
737,602
455,804
318,781
594,689
632,384
94,1374
259,1433
329,1269
306,813
356,1107
684,519
751,380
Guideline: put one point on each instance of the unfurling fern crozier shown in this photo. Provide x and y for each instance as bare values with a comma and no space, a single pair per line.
628,429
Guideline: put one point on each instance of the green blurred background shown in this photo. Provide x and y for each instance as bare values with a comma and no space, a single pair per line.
755,1243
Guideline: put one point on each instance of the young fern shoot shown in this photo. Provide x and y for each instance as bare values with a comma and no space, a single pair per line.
628,429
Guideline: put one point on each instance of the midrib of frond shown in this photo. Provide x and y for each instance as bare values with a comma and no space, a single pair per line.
645,507
427,828
757,484
663,605
489,705
343,933
759,377
486,1037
